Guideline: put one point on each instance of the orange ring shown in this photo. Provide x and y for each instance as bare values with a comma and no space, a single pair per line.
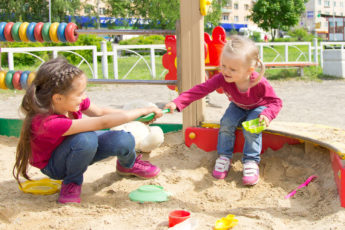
53,32
22,32
2,79
31,77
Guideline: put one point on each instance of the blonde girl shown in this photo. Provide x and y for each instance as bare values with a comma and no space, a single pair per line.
55,138
251,97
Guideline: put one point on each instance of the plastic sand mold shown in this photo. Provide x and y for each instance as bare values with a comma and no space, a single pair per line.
44,186
304,184
149,193
254,126
226,223
150,116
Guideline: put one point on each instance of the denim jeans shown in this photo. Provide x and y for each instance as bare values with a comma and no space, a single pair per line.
233,118
71,158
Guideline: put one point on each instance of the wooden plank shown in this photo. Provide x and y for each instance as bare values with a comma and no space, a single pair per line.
192,57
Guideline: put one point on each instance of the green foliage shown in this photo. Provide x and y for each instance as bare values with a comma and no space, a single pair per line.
277,14
301,34
144,40
37,10
161,14
256,37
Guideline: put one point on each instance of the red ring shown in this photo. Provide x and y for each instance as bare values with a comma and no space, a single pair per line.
38,32
16,80
71,35
7,32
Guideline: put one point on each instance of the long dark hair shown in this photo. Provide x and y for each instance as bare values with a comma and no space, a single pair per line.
53,77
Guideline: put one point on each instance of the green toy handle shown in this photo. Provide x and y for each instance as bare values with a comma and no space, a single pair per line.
150,116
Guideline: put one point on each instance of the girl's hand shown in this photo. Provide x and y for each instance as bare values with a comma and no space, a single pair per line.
171,105
265,119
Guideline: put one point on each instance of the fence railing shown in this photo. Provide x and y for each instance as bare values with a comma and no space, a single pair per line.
280,52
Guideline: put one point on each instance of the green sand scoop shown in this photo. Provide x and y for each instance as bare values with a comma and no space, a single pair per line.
254,126
150,116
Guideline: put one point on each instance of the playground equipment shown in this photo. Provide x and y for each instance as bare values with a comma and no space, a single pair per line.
190,57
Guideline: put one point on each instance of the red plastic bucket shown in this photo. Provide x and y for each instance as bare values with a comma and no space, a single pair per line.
177,216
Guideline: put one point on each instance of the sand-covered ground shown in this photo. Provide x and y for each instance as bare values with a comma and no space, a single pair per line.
186,173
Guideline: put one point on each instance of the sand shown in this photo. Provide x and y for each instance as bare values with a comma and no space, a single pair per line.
186,174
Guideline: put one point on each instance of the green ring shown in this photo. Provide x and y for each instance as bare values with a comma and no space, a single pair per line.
8,79
15,31
45,32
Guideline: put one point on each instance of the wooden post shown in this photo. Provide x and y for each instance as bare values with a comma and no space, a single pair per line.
191,60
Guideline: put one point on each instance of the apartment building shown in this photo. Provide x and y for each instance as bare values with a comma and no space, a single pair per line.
235,15
325,18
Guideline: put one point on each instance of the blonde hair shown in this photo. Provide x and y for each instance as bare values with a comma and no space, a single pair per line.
239,46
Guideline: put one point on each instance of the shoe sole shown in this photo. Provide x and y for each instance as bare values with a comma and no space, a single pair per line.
251,184
133,174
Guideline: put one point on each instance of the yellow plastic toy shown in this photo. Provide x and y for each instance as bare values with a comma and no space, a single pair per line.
226,223
44,186
204,4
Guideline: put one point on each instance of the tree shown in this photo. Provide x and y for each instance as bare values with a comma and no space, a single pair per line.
37,10
271,15
160,14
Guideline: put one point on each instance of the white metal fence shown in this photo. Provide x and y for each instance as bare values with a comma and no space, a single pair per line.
311,55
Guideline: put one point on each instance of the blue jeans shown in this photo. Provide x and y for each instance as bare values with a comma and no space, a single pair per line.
71,158
233,118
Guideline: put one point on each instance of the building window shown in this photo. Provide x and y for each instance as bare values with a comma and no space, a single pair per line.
327,4
229,3
236,18
102,11
334,4
320,2
246,18
246,6
225,18
341,4
236,6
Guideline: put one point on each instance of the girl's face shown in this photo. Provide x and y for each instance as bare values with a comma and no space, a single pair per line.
234,69
70,102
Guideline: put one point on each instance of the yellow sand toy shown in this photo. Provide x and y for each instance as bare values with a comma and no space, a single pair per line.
44,186
226,223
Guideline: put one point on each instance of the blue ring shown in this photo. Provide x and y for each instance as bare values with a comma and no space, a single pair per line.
30,31
2,27
61,32
23,79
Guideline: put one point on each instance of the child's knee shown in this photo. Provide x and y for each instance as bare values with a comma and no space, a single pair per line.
86,141
126,142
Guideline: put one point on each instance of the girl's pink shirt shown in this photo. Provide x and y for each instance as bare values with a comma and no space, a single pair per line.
46,134
261,94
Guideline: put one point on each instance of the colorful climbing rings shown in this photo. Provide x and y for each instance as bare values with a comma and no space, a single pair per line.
22,32
7,32
38,32
2,79
45,32
61,32
71,35
30,32
8,79
15,31
31,77
53,32
24,79
2,35
16,80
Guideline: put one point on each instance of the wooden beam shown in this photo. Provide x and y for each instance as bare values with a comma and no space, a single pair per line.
192,58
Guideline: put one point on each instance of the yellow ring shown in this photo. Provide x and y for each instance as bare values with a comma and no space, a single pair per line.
31,77
22,32
53,32
2,79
